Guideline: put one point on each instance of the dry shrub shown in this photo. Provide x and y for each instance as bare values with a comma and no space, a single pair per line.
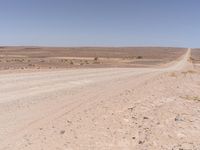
86,61
71,62
192,59
139,57
96,58
189,72
194,98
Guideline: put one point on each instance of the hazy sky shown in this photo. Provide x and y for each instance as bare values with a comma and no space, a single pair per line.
100,22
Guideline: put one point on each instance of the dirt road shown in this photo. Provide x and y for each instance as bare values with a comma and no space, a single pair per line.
127,108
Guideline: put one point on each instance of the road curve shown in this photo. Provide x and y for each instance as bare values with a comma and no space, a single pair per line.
32,103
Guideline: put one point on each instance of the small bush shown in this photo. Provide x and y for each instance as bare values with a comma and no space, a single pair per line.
71,62
96,58
139,57
192,59
86,62
195,98
189,72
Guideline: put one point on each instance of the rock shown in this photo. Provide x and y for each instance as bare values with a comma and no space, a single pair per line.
62,132
131,108
140,142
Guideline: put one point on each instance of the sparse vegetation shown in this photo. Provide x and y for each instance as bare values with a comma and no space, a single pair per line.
195,98
60,57
139,57
189,72
96,58
86,61
130,57
71,62
191,58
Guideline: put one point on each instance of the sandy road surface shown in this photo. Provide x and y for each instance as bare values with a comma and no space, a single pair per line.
101,109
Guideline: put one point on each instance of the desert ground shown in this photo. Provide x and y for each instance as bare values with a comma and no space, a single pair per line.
23,58
99,99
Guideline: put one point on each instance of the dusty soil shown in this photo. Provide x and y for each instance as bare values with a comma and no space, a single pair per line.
102,108
51,58
195,56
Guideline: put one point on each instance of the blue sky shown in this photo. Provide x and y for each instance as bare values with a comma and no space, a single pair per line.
100,22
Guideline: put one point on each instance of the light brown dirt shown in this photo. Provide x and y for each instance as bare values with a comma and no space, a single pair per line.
113,108
15,58
195,57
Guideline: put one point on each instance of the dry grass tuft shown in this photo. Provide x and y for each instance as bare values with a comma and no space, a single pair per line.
194,98
139,57
96,58
71,62
189,72
191,59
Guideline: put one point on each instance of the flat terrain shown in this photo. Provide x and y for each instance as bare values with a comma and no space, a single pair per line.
196,56
12,58
102,108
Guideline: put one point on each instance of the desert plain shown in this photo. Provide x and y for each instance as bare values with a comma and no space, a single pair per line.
91,98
